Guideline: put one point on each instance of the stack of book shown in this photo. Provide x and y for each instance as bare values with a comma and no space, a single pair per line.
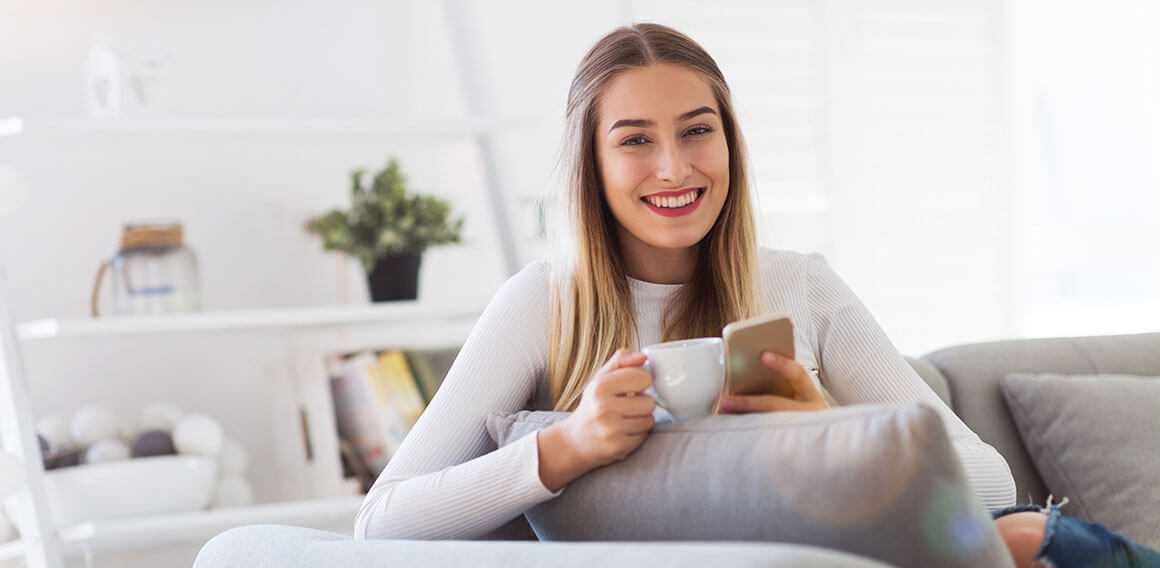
378,397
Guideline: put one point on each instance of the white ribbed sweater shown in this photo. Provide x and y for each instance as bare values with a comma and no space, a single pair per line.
447,480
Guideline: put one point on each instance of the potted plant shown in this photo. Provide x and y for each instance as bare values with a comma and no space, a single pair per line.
387,230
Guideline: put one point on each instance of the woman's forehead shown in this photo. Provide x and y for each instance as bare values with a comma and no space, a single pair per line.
659,93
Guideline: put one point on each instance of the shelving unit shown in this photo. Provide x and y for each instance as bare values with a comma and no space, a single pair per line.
310,335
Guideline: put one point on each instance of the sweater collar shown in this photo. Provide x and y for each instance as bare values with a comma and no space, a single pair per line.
651,290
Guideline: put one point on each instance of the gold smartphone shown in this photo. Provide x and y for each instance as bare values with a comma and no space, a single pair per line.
745,340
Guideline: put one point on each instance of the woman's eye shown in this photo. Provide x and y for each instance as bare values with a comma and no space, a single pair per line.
694,131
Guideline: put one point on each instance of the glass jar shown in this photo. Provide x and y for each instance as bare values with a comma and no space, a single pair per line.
152,273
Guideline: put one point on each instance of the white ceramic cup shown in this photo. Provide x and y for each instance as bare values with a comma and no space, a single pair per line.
687,375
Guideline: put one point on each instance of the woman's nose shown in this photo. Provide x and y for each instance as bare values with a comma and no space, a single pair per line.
673,166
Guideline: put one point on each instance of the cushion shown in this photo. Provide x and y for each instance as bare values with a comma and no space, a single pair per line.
880,481
1095,439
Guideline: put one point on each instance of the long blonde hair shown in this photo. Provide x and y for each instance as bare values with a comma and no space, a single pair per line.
591,304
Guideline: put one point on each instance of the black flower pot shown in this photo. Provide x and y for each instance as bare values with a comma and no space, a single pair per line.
395,277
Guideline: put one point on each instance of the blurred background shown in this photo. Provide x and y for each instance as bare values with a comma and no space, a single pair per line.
974,169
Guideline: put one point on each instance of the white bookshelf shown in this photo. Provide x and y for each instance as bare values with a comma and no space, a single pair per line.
310,335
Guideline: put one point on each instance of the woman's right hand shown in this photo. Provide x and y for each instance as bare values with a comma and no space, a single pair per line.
614,416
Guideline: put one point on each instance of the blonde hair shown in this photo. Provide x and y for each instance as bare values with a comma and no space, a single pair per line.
591,304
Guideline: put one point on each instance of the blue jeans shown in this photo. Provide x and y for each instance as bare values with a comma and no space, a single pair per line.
1071,543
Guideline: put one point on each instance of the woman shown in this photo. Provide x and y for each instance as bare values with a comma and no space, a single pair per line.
665,248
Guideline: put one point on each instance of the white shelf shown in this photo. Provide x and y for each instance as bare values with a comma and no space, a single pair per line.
409,126
266,320
196,527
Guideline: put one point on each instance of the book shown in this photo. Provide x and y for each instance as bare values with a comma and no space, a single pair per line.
377,401
431,367
396,390
358,418
379,396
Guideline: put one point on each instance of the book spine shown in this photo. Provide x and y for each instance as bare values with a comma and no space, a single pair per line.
397,388
369,428
420,365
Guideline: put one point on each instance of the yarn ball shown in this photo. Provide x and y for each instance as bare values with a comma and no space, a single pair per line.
232,492
233,459
153,443
198,434
108,450
160,416
7,530
68,458
92,423
54,428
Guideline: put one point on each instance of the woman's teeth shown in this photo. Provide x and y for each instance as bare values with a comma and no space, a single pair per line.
674,202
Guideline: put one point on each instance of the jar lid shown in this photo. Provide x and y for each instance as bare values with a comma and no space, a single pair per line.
151,234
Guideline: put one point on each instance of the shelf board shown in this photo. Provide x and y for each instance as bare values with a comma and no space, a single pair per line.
410,126
195,527
265,320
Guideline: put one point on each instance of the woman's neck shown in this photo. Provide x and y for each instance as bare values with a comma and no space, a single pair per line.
657,265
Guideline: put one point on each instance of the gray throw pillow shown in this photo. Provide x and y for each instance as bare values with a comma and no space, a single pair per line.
1095,439
881,481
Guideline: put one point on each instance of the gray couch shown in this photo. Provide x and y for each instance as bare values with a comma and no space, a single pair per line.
965,376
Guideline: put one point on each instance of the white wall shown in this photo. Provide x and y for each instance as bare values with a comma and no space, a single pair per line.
1086,97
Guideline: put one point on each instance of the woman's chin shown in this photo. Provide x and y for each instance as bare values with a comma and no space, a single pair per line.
675,240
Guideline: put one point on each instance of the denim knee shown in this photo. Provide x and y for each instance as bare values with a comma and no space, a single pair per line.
1069,542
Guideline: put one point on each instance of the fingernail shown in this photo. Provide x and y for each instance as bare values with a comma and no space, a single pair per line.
772,358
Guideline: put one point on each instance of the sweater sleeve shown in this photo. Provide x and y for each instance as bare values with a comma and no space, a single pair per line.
447,480
859,364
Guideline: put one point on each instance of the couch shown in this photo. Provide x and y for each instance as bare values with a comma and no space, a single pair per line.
966,377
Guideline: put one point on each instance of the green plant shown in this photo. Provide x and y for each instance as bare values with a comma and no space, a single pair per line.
384,219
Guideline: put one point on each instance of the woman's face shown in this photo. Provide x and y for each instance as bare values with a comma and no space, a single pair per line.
659,134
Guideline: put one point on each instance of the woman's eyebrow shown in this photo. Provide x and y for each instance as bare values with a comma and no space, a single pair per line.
647,122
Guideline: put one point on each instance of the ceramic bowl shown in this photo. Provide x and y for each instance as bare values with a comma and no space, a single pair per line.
128,488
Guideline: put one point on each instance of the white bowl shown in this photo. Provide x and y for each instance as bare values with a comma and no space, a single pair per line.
127,488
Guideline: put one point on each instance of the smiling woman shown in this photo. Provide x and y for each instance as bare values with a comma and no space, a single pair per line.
657,192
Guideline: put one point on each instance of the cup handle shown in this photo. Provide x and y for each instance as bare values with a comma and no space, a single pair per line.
660,413
647,366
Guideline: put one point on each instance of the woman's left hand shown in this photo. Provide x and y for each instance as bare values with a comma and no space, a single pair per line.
806,395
